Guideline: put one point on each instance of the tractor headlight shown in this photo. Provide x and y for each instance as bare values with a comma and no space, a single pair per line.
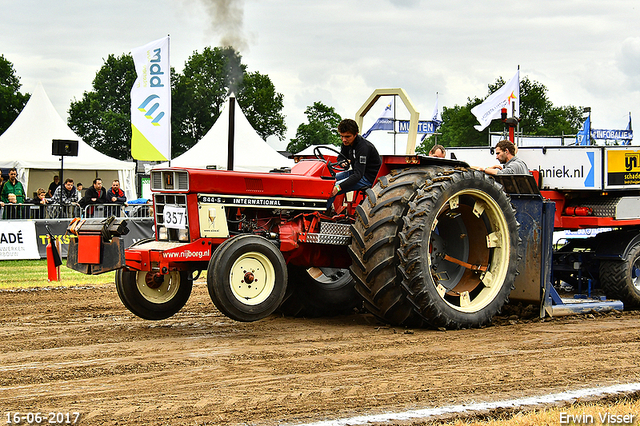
162,233
183,235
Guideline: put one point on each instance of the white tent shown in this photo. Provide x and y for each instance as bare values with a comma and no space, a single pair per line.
27,146
250,153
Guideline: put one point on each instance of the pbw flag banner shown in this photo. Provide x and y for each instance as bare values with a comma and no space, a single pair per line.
385,121
508,96
151,103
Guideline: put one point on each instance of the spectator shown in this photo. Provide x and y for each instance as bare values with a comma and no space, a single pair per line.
115,194
40,197
53,185
66,194
95,194
437,151
13,186
79,188
66,198
41,201
11,208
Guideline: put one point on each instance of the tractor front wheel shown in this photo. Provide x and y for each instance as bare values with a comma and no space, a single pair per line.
151,295
247,278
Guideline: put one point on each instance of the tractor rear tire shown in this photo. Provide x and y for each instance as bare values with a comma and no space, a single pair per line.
247,278
375,242
319,292
152,300
459,249
621,279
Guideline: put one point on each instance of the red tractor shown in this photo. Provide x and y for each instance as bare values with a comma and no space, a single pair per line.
433,242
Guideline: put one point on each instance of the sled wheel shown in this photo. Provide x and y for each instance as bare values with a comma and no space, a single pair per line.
247,278
152,296
459,249
317,292
621,279
375,242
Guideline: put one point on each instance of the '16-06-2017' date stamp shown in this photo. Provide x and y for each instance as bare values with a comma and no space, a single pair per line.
42,418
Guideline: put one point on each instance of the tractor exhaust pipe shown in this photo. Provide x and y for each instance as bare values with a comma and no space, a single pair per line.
232,120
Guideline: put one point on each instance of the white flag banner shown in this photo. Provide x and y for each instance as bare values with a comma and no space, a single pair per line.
508,96
151,102
436,117
384,122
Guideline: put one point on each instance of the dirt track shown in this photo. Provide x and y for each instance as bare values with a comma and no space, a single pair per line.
68,350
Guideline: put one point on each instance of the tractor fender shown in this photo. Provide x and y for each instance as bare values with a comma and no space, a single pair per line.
615,245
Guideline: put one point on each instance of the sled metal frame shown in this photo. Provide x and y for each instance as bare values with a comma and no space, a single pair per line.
536,218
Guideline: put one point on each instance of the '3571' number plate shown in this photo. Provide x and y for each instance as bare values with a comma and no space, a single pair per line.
175,217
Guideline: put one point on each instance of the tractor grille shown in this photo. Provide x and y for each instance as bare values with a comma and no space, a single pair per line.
162,201
169,180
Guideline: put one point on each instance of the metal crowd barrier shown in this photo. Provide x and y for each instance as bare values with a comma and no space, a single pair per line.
39,211
118,210
58,211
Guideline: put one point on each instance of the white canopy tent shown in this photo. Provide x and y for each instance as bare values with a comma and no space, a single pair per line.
251,153
27,146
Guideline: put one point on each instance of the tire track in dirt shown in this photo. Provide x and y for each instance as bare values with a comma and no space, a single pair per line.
80,350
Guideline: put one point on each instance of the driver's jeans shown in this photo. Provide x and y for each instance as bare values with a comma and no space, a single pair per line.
341,177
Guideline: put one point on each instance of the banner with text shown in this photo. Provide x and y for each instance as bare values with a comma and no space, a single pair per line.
17,240
508,96
611,134
151,103
423,126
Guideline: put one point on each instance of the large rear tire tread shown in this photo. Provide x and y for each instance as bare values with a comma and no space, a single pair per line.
375,242
329,295
438,224
617,278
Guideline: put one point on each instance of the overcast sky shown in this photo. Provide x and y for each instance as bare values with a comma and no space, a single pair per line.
587,53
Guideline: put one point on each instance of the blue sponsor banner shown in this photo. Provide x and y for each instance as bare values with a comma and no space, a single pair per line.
423,126
611,134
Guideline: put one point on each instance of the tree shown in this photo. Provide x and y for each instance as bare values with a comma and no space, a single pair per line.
538,117
102,118
457,126
206,82
11,100
262,105
321,128
199,93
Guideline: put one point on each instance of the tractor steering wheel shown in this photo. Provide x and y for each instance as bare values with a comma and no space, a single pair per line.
338,166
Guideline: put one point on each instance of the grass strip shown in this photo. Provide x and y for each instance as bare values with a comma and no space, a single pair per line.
33,273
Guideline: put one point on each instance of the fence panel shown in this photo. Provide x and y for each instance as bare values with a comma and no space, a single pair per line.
39,211
60,211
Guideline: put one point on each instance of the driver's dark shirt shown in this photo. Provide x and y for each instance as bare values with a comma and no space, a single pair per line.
364,158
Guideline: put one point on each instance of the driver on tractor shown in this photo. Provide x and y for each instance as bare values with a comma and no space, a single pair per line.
363,158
